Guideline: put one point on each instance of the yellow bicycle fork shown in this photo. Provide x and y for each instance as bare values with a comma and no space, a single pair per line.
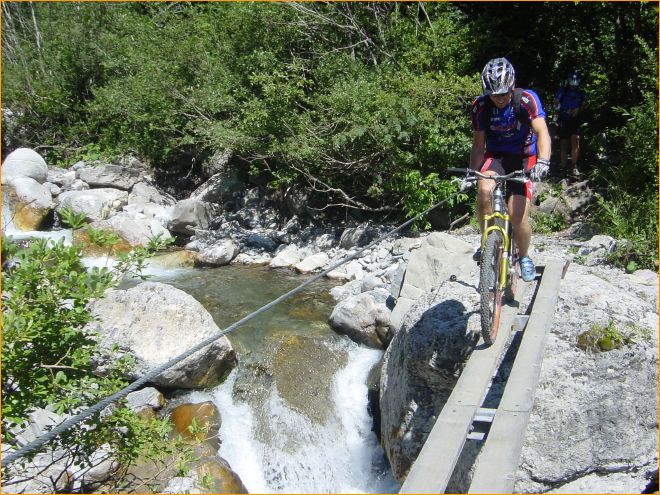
504,228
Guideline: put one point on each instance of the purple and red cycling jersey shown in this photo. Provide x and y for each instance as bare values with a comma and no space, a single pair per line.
505,132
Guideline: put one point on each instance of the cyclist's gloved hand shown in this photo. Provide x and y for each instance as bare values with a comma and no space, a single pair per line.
539,170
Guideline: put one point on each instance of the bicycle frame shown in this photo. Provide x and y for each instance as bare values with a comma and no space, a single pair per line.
499,211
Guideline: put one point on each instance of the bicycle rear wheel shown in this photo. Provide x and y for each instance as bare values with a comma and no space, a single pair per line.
489,286
514,272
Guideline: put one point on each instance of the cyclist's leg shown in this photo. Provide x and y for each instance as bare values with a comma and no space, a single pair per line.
491,166
519,198
519,214
575,150
563,144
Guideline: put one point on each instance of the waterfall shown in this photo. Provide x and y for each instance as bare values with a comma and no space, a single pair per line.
276,449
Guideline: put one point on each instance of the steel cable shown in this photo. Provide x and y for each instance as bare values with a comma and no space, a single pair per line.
69,423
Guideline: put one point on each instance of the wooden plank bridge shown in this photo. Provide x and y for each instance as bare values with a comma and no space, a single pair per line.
499,458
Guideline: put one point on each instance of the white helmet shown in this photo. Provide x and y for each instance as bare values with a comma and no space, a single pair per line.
498,76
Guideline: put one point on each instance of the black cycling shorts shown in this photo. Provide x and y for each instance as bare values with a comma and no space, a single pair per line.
568,126
507,163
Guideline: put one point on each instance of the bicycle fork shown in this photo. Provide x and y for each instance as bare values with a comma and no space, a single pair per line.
503,227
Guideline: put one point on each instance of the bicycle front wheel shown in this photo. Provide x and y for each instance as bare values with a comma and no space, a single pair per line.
489,286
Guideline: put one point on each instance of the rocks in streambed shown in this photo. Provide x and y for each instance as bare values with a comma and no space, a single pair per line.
24,162
364,318
96,204
312,263
111,175
25,203
146,402
154,323
190,214
218,254
197,422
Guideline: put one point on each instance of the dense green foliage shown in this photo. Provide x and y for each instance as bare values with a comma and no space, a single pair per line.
351,100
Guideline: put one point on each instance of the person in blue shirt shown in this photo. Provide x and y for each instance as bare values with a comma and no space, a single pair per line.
570,101
509,132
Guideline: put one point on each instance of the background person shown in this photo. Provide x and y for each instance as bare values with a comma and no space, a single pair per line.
570,101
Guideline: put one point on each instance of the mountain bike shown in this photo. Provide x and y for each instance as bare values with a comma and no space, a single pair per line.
499,267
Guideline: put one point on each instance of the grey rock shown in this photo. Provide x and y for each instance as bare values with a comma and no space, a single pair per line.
155,322
220,188
96,204
146,397
371,282
24,162
25,204
54,189
439,257
352,237
261,241
137,231
190,214
219,254
363,319
110,175
143,193
312,263
289,256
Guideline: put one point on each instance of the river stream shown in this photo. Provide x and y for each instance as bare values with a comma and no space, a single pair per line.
294,411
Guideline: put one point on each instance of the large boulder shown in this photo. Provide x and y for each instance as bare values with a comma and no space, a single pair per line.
190,214
218,254
111,175
136,230
421,366
364,318
219,188
96,204
156,322
25,204
439,257
143,193
24,162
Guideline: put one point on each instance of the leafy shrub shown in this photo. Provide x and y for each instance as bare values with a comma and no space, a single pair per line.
47,357
543,223
72,218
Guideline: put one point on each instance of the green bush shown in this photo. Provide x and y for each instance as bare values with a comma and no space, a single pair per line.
47,357
630,209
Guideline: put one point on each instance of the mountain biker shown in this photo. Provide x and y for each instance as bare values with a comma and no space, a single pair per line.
570,101
509,133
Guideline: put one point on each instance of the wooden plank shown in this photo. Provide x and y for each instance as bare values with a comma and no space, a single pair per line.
435,463
498,462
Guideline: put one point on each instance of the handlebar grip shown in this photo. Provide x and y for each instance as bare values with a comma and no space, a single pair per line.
458,170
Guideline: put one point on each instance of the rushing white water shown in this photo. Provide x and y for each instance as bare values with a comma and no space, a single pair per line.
297,455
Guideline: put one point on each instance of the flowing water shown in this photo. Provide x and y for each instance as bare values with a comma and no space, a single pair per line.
294,410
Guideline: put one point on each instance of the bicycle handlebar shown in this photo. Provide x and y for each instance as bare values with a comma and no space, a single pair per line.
516,175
